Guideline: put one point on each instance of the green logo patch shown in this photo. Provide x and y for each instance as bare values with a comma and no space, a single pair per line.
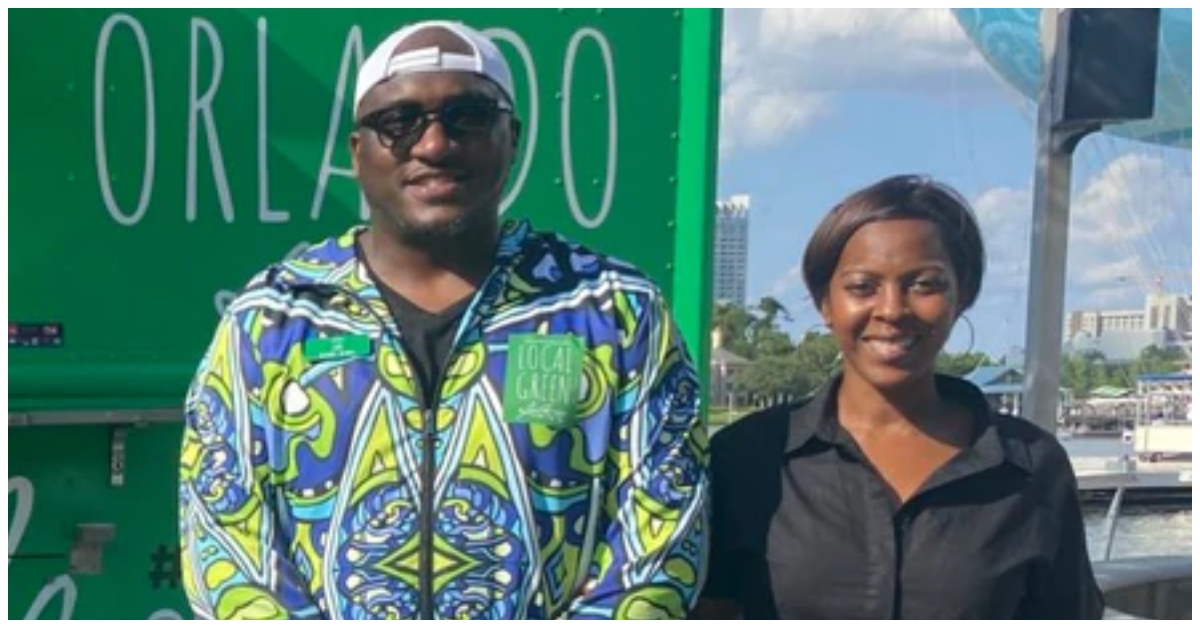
543,379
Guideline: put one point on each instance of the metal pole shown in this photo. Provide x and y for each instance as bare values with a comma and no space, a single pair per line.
1110,520
1048,233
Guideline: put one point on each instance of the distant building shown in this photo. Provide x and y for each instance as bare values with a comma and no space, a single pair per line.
731,250
1165,320
1168,396
1004,388
723,366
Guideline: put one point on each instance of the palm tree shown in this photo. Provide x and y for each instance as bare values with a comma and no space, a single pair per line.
771,308
734,323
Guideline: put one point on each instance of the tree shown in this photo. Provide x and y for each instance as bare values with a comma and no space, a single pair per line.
1077,372
775,371
753,333
1155,359
961,364
734,323
818,355
771,309
773,342
765,335
1086,371
772,378
1089,370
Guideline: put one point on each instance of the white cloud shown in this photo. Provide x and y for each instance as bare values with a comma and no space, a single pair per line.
791,281
1129,199
1105,273
1130,223
1004,217
1114,298
782,67
854,48
752,114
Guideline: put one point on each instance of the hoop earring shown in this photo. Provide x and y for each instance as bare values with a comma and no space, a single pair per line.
971,344
971,328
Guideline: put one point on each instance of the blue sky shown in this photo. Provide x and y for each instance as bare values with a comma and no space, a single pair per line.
889,91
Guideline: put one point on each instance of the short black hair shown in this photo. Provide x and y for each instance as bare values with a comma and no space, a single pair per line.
899,197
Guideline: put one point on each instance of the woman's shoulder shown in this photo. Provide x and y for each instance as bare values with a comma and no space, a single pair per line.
1022,437
739,446
1048,461
765,424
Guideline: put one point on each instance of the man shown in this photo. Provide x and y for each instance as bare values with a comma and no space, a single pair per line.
437,416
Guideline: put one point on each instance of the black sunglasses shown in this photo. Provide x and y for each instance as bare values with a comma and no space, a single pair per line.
403,124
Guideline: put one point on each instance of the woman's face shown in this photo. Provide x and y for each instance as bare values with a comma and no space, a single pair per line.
892,302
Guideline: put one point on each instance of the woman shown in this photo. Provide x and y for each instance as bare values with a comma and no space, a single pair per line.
895,492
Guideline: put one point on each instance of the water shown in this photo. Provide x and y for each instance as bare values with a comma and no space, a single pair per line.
1141,531
1099,447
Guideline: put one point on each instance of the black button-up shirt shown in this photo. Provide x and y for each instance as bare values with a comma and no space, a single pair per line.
804,527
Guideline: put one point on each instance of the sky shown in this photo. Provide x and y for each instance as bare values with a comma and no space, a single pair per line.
818,103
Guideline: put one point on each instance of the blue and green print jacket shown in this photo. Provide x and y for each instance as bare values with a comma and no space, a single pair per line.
561,473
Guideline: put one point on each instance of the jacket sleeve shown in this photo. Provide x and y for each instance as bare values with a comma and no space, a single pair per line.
650,559
233,563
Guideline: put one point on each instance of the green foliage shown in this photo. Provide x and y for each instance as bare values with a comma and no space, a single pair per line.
1086,371
961,364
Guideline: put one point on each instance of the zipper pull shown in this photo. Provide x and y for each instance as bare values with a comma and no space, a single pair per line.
429,429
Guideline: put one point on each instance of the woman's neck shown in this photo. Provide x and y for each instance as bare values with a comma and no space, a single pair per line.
861,404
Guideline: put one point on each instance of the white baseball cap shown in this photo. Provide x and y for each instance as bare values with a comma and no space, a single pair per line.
384,62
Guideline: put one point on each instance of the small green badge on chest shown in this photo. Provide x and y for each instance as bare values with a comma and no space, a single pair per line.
336,347
543,379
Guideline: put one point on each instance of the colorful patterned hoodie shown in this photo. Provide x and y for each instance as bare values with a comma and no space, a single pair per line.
562,471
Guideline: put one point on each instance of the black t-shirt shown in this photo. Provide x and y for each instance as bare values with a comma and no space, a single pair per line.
805,528
428,337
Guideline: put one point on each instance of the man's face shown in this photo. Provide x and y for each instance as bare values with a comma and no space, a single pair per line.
433,176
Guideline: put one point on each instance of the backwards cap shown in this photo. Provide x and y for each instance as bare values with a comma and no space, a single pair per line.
385,62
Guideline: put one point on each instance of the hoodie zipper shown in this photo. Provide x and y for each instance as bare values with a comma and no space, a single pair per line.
425,521
429,443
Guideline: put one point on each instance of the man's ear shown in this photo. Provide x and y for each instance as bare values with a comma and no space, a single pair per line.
514,127
355,144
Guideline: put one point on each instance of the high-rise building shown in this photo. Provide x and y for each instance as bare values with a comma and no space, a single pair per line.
731,249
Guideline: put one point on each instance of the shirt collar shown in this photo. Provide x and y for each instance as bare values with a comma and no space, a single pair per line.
993,445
